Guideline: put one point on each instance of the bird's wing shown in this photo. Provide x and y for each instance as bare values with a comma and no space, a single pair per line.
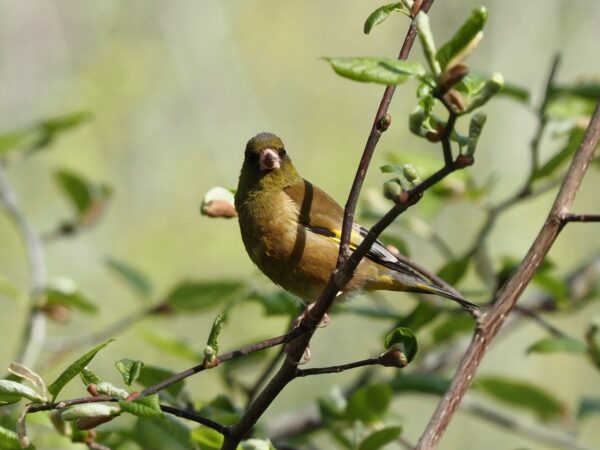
321,214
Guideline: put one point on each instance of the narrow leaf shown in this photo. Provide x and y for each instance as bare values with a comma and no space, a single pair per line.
74,369
132,276
380,438
382,13
462,43
452,327
561,157
453,271
34,378
425,383
521,394
172,346
376,70
194,296
557,344
63,291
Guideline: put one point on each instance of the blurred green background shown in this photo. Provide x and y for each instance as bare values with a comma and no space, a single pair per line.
176,88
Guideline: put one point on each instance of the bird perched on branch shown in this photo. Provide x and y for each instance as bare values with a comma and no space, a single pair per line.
291,230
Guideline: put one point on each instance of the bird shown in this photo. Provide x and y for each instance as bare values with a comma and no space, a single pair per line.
291,229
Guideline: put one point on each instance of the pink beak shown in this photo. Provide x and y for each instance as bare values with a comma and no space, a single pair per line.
269,159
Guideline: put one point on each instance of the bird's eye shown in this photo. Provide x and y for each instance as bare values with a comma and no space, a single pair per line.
282,152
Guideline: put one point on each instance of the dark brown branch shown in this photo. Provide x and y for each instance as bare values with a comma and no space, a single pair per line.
581,218
336,369
377,129
493,320
189,415
272,342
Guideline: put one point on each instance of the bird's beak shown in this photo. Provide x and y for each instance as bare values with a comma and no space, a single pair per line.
269,159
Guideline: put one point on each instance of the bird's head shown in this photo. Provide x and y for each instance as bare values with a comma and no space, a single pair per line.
265,153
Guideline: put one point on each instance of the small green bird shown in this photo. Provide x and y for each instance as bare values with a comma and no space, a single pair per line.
291,230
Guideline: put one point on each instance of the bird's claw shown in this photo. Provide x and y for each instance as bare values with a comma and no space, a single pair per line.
325,320
303,360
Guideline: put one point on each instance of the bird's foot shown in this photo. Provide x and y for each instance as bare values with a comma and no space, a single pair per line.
326,320
305,357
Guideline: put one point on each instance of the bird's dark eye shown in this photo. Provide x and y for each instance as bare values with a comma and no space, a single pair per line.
282,152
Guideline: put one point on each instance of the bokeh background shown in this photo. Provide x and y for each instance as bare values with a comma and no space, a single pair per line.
177,87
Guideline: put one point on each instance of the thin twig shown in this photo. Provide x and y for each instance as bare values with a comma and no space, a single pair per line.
336,369
189,415
518,425
496,316
34,332
272,342
581,218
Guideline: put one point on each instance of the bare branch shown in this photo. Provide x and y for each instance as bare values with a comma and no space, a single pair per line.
34,332
495,317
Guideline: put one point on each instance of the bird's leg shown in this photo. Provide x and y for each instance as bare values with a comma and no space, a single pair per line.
325,320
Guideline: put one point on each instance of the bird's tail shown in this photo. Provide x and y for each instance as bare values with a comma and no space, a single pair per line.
396,281
437,290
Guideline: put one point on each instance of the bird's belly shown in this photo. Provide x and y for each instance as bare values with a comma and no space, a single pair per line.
301,261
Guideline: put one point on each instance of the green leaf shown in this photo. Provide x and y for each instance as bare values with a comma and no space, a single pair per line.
36,137
425,383
129,369
276,303
162,432
464,41
151,375
88,377
369,403
588,406
87,198
133,277
589,90
420,316
333,404
382,13
405,340
376,70
12,392
172,346
521,394
10,441
221,409
561,157
557,344
453,327
196,296
453,271
142,407
215,331
380,438
63,291
74,369
207,438
515,92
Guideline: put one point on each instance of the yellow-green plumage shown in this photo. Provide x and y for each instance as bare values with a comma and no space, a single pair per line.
291,231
